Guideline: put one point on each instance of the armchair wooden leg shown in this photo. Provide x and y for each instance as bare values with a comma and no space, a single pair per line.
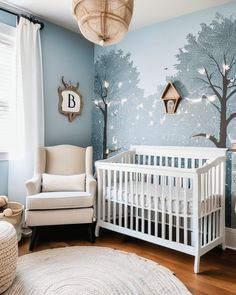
91,232
33,238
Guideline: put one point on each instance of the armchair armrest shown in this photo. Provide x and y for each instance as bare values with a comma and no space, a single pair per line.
33,186
91,185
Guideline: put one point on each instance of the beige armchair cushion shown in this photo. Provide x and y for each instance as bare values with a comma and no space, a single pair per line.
64,160
55,217
58,183
60,200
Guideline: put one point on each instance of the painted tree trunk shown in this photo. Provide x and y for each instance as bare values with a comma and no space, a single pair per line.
223,125
105,133
223,114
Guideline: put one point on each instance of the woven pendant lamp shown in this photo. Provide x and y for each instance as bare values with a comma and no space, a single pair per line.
104,22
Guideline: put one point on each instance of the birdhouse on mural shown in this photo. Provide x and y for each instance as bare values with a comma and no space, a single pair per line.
170,97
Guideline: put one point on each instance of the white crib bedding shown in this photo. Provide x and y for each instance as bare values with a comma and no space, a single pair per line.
179,200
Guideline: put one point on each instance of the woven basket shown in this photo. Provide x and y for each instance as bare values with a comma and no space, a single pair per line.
16,218
8,255
17,209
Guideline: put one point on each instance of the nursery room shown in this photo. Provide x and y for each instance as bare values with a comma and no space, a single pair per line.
118,147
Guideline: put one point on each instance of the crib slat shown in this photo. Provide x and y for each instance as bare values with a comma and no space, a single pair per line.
149,203
205,230
186,163
201,233
213,189
142,202
131,200
210,190
136,202
222,211
120,197
192,163
104,194
100,195
210,229
115,196
109,197
216,223
185,184
205,208
156,205
170,208
163,226
177,208
219,186
179,162
201,198
126,199
210,207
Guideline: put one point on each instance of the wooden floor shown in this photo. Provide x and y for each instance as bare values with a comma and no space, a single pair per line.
218,268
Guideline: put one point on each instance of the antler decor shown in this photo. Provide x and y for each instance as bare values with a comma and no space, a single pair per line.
70,100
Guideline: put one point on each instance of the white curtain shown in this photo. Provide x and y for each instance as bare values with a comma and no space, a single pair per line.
29,111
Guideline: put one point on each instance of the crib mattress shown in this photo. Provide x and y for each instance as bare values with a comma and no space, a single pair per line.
157,198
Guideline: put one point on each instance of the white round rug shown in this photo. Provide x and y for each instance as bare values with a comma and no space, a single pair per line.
92,270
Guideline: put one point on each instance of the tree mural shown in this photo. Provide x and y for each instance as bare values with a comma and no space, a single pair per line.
207,65
116,80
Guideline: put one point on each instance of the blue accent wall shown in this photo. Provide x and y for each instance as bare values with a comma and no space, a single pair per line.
69,54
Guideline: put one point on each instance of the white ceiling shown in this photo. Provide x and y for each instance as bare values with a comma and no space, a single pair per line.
146,12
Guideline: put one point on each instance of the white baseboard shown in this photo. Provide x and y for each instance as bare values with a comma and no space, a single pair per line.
230,238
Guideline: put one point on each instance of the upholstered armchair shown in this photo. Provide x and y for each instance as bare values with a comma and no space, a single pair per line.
63,190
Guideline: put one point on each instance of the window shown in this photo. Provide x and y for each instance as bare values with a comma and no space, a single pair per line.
7,88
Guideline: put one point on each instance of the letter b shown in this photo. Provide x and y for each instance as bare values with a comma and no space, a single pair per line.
71,101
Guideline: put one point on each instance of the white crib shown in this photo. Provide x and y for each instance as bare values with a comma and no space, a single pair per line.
170,196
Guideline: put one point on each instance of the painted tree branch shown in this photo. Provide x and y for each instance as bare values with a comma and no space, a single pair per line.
231,117
210,137
204,81
212,86
101,109
216,63
232,62
212,103
102,96
224,56
231,94
232,86
216,86
216,106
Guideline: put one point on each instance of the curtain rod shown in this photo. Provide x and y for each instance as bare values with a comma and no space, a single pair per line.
31,18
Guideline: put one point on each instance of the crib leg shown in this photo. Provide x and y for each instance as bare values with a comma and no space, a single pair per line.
223,246
197,264
97,229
